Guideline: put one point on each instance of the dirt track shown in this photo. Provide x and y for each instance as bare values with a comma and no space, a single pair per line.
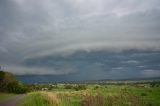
12,101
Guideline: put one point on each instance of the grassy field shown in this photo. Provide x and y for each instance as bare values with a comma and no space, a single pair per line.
4,96
95,95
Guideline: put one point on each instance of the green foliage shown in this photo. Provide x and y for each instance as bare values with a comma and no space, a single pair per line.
80,87
5,95
155,84
39,87
76,87
35,99
68,86
113,95
10,84
143,94
96,87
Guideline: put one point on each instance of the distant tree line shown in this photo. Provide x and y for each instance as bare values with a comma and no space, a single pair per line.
76,87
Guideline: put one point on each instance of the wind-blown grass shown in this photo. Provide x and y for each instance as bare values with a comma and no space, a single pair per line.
96,96
35,99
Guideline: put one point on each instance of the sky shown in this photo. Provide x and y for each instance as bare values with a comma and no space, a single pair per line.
80,39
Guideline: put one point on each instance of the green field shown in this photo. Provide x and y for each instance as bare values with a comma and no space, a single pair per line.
94,95
83,93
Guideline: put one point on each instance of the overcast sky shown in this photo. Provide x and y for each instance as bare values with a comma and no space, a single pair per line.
35,30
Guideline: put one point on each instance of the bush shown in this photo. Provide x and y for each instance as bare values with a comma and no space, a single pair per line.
143,94
96,87
80,87
10,84
67,86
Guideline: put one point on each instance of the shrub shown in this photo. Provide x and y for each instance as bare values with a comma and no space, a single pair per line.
67,86
10,84
143,94
96,87
80,87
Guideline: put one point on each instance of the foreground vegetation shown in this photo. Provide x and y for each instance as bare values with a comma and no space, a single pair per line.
5,95
95,95
9,84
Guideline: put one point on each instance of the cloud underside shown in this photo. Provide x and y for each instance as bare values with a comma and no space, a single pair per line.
37,37
93,65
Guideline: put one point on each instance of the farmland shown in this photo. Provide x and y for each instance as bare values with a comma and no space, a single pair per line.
134,93
81,93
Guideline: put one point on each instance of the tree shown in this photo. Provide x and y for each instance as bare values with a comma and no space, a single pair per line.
10,84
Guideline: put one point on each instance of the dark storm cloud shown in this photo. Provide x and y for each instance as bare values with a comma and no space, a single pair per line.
35,35
101,65
104,63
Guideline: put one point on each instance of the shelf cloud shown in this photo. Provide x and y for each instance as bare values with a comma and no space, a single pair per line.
36,30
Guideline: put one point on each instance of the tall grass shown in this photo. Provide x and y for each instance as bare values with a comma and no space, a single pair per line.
95,96
119,100
48,99
35,99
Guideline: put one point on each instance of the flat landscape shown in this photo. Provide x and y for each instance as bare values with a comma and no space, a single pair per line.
95,95
109,93
79,52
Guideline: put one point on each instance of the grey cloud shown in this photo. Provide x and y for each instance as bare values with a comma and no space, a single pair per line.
104,64
31,29
23,70
151,73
